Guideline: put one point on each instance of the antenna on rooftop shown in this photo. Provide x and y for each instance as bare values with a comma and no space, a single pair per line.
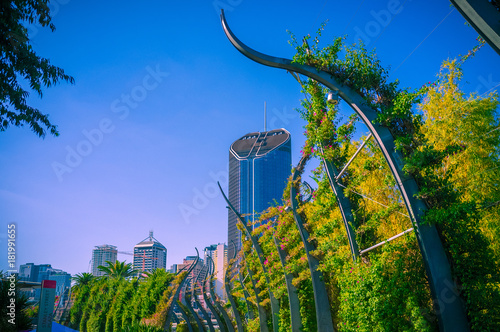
265,117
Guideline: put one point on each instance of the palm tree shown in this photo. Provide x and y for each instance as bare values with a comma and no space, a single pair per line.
81,280
118,270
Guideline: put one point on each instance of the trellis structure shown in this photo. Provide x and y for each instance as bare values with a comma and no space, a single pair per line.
450,311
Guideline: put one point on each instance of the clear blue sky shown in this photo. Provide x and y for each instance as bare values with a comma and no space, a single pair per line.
160,95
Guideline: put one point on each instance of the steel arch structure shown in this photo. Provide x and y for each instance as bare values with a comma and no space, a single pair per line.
450,310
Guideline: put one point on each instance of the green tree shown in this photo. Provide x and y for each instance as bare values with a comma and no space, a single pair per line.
20,62
458,166
118,270
81,280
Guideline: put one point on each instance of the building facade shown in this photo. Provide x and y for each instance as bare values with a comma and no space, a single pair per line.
259,166
102,254
217,254
150,254
38,273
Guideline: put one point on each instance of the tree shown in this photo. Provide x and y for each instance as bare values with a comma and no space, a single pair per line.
20,62
118,270
82,279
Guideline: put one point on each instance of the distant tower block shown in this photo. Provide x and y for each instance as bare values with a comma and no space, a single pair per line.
101,255
150,254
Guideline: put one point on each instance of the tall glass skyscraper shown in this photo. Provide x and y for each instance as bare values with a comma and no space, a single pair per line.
259,166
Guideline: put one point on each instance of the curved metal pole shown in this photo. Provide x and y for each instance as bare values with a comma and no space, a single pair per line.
275,307
293,297
175,319
449,308
208,301
483,17
185,316
223,312
261,310
323,315
344,205
198,304
246,296
227,278
190,307
204,312
177,291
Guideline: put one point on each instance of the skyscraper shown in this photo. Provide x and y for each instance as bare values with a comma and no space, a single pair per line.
259,165
218,255
101,254
150,254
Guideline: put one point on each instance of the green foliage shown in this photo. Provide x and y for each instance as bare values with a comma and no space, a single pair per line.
387,294
117,304
142,328
455,166
360,70
182,327
20,62
21,318
118,270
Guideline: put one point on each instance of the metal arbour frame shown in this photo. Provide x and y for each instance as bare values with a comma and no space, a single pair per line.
210,304
322,304
449,307
260,309
275,307
185,316
246,295
223,312
483,17
227,287
188,298
170,312
344,205
293,297
194,295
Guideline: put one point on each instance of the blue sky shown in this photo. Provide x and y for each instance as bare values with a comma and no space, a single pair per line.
160,95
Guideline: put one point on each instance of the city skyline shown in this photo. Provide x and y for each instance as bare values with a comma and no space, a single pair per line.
159,96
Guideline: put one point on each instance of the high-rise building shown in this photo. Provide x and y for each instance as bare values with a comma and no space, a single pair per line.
101,255
186,264
150,254
38,273
218,254
259,166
